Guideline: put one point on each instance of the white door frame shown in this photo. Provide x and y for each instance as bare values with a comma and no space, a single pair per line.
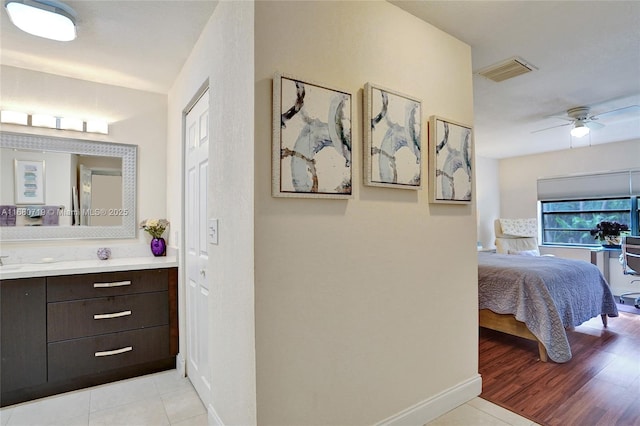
184,355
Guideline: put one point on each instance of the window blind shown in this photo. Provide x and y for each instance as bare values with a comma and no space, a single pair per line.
594,185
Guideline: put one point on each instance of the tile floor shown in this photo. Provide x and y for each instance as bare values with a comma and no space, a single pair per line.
168,399
479,412
158,399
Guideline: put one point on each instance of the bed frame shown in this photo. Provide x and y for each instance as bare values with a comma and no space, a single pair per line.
507,323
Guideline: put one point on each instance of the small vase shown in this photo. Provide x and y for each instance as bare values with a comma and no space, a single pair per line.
158,247
612,240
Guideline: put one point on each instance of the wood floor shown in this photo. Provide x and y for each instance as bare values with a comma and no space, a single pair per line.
600,385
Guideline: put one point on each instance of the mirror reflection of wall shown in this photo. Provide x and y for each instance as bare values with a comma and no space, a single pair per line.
106,196
101,191
61,176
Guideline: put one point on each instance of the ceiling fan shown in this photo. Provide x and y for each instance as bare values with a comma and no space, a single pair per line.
582,122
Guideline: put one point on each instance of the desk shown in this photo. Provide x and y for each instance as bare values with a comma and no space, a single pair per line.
607,253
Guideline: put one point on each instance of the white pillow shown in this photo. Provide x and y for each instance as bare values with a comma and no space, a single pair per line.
525,252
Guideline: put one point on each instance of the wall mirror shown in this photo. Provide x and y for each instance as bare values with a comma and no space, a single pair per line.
63,188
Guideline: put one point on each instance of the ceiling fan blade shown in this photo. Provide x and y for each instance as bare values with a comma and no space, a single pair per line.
552,127
624,110
561,117
593,125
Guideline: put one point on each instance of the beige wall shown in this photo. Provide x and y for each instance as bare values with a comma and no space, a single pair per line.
135,117
223,56
368,306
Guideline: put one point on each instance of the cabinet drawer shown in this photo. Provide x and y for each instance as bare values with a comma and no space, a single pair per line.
99,354
89,317
72,287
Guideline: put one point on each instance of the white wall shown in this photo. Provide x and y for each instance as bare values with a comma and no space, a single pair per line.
518,175
223,56
57,177
518,190
135,117
487,199
364,307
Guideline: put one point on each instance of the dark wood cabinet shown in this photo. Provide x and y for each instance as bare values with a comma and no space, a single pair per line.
86,286
23,335
91,317
62,333
97,354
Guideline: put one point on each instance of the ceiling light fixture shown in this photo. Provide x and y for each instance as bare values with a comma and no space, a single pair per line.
43,18
579,129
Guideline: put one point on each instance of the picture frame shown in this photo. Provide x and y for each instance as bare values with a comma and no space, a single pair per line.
451,169
392,139
311,141
29,181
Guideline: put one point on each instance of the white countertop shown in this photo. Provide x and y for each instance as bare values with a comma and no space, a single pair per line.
45,269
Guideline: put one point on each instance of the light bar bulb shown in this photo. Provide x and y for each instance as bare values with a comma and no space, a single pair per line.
44,120
67,123
98,126
14,117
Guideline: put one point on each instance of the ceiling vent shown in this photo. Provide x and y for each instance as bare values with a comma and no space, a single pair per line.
505,70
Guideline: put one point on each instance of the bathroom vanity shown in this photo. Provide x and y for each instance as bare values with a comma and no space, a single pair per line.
71,325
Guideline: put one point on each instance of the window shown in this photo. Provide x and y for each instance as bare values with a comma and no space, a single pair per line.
572,205
569,222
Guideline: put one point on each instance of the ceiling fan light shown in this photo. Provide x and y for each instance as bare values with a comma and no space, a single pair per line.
48,19
579,130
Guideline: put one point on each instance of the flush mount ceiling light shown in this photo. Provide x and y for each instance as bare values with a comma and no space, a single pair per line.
580,129
43,18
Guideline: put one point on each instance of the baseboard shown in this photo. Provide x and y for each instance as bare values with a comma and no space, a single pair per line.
432,408
212,416
181,365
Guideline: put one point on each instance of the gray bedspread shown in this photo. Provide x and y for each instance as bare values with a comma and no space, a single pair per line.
546,293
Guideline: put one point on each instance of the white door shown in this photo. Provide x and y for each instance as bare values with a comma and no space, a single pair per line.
196,256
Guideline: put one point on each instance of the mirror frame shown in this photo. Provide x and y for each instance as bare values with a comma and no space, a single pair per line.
129,156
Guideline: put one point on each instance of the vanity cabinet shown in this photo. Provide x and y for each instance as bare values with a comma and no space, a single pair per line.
23,338
71,331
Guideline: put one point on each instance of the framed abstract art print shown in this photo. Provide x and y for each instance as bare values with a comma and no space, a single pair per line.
450,161
392,139
311,155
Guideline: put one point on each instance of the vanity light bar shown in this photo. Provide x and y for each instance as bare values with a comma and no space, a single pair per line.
52,122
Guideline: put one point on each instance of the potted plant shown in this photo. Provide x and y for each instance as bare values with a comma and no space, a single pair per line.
609,233
155,228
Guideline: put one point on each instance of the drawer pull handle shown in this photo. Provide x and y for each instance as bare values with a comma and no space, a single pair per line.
114,352
113,284
113,315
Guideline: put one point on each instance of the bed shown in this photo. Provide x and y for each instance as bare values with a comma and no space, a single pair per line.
538,297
